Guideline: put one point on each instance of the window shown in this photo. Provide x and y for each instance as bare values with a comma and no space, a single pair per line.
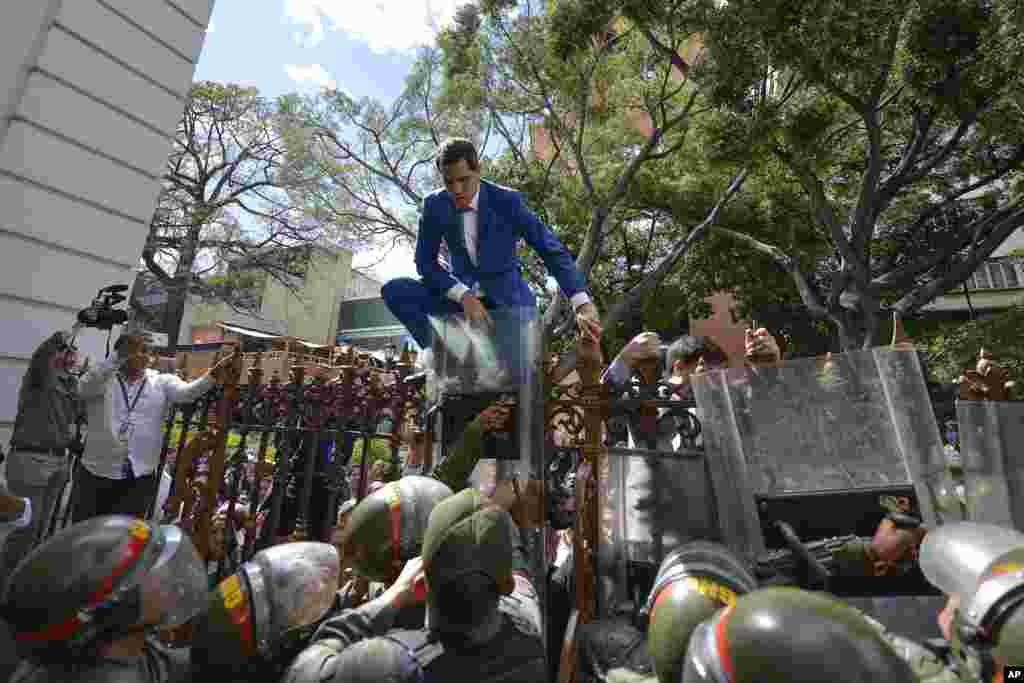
996,273
1010,270
981,280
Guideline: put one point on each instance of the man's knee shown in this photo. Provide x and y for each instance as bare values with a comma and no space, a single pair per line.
401,289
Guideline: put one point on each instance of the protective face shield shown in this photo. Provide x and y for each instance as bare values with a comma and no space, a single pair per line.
98,580
386,528
175,588
266,607
792,636
984,564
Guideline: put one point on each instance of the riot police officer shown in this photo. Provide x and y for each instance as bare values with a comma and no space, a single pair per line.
483,618
262,615
692,582
386,530
81,604
792,636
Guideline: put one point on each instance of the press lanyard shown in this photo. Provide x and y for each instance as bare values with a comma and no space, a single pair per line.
124,392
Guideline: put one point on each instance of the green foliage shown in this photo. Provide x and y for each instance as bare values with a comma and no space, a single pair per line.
955,347
234,440
812,94
379,451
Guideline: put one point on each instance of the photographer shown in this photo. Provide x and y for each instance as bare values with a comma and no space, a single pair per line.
126,403
37,465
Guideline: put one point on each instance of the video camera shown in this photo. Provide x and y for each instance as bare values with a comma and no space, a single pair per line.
102,313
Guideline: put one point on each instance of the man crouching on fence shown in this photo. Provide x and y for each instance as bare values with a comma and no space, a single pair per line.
126,402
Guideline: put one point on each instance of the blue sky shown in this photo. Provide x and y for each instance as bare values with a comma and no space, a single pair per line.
283,46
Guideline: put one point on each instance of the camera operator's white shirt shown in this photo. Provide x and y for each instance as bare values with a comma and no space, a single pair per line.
104,453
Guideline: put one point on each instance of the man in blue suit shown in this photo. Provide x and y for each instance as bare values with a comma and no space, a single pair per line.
482,224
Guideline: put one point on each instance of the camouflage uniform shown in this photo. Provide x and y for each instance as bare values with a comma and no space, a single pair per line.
465,537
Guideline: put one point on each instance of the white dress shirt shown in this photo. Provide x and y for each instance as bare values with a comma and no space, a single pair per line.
471,236
104,453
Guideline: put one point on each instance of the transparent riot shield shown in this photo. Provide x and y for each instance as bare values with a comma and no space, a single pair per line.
655,492
474,369
850,421
992,447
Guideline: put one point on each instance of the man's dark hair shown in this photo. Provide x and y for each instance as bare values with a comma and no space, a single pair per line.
690,349
454,150
467,601
123,339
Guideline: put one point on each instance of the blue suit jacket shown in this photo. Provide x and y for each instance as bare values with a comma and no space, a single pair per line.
503,220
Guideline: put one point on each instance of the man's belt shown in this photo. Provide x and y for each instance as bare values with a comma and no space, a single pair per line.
36,449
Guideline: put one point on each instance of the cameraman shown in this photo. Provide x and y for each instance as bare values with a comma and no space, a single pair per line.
37,465
126,402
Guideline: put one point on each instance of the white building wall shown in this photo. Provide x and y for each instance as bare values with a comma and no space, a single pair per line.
90,94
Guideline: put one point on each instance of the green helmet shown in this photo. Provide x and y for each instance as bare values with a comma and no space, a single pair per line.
264,610
693,582
377,660
98,580
786,635
386,528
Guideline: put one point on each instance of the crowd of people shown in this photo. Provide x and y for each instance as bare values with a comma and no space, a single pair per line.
426,578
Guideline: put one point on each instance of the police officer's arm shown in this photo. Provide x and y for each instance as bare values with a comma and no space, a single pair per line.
454,472
462,460
376,617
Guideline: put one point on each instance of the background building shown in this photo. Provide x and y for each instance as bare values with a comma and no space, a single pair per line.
364,318
90,94
995,286
320,279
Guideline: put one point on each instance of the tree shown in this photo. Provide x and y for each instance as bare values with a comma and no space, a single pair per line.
954,348
229,195
615,118
888,134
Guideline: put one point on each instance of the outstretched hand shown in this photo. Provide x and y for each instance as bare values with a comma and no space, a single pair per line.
495,418
762,348
408,588
475,312
588,322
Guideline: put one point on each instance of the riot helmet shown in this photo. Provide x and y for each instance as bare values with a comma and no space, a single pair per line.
693,582
787,635
99,580
386,528
376,660
265,608
984,564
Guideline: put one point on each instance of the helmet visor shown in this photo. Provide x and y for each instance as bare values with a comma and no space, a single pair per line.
295,584
175,589
701,663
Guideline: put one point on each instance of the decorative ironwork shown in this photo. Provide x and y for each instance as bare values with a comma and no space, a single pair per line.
306,430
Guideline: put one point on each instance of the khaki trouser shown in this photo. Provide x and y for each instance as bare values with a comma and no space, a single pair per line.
40,477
